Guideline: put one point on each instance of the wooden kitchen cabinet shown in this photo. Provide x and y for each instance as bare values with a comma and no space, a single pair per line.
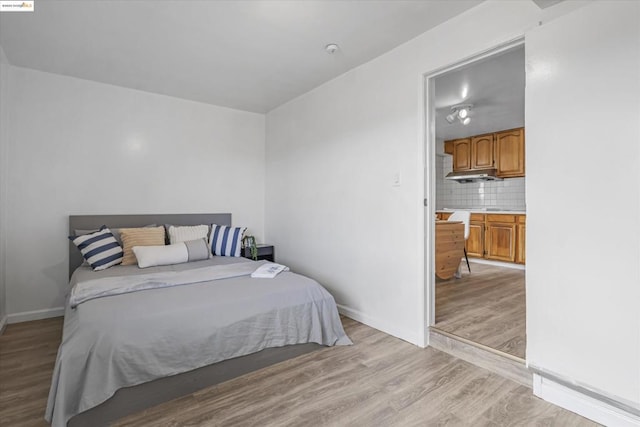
521,231
482,151
501,241
475,242
448,147
503,150
461,154
509,153
499,237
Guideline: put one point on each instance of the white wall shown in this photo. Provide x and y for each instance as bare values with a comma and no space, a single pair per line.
333,213
332,154
583,198
80,147
4,137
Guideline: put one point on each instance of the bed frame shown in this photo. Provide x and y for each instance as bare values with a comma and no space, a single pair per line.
134,399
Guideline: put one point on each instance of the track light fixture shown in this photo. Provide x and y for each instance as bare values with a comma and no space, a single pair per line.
460,112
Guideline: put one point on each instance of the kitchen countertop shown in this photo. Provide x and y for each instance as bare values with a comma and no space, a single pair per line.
485,211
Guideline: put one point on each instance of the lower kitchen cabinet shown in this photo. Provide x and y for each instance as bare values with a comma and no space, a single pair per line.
499,237
501,241
521,230
475,242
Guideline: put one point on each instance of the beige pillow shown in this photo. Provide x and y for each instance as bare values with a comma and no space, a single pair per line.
187,233
148,236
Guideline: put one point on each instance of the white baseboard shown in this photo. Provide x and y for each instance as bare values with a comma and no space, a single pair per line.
497,263
26,316
3,324
378,324
587,406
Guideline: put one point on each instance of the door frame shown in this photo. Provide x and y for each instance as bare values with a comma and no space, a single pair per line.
429,132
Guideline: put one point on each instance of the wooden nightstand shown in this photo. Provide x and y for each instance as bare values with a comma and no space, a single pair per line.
265,251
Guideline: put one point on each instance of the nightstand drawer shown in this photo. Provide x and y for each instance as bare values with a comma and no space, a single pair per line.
266,252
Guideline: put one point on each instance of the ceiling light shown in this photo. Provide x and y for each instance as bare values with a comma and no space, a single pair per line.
460,112
451,117
331,48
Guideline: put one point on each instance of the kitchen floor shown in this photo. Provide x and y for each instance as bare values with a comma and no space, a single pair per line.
486,306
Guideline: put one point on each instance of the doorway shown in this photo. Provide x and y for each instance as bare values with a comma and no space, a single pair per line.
475,109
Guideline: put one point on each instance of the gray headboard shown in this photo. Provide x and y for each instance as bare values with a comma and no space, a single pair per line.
91,222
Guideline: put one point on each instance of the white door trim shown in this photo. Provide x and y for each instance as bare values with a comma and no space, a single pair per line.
428,212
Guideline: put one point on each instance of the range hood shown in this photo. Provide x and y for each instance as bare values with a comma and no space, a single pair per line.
473,175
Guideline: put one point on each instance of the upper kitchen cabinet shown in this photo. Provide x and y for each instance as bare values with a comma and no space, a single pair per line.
461,150
502,150
509,152
482,151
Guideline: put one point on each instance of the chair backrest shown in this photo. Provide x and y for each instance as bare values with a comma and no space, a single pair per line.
465,217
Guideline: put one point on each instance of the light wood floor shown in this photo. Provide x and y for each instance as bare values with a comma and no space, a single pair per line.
486,306
379,381
27,355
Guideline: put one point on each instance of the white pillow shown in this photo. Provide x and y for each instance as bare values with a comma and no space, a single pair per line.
151,256
188,232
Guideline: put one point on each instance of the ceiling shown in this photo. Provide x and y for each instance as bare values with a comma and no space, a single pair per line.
495,87
249,55
543,4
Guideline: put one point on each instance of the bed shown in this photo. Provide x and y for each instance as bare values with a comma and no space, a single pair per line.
127,350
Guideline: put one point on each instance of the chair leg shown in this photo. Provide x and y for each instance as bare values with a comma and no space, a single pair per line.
467,259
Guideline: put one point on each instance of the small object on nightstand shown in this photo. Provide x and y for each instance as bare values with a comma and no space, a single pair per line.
266,252
250,242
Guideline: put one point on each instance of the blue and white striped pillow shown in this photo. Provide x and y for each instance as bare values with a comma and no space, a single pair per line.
225,240
100,249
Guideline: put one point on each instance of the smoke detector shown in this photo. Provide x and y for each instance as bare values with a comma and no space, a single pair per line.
331,48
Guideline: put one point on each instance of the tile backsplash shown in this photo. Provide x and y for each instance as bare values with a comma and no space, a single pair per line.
508,193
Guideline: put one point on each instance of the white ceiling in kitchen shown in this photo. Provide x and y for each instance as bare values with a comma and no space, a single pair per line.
495,87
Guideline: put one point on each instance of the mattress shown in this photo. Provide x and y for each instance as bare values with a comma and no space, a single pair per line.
125,339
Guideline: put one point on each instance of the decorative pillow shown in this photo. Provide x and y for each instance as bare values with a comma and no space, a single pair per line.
225,240
147,236
198,249
100,249
114,231
177,253
186,233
